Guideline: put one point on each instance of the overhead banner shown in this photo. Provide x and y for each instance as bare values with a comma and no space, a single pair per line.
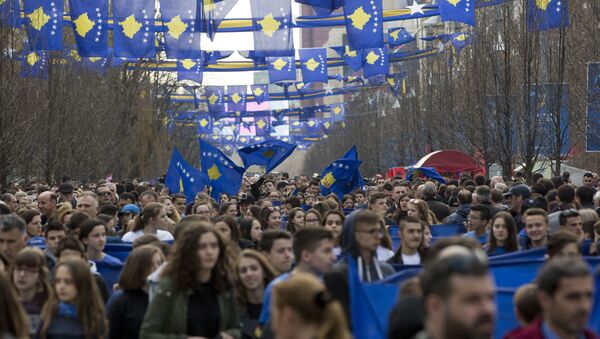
593,109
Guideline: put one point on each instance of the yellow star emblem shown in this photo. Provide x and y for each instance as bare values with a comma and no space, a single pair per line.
391,81
38,18
296,123
327,124
454,2
328,180
188,63
542,4
311,123
32,58
213,98
269,25
261,124
213,173
359,18
312,64
235,98
372,57
461,37
394,34
279,64
258,91
83,24
268,153
350,53
336,110
203,122
176,27
130,26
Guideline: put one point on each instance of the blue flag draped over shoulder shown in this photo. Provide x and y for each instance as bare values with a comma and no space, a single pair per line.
214,96
134,35
375,62
224,176
364,23
190,69
272,21
44,24
281,68
313,63
338,176
184,178
270,154
544,14
457,10
90,18
181,29
260,92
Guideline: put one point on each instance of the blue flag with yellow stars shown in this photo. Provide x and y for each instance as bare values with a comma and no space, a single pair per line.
326,125
313,62
323,8
547,14
269,153
312,128
458,41
296,127
183,178
214,97
204,125
262,126
10,13
133,33
272,21
398,37
375,62
90,21
44,24
364,23
354,59
260,92
337,177
34,64
181,29
236,99
338,111
396,82
243,140
224,176
281,69
190,69
458,10
357,179
214,11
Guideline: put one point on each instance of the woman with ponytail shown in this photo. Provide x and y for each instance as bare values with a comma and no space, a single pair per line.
152,220
303,309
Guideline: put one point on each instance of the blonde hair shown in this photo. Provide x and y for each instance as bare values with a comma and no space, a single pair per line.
306,296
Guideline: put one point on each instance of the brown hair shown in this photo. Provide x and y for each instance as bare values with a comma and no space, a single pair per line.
33,257
150,211
559,240
13,320
89,304
137,267
510,245
526,303
423,209
291,226
269,273
306,296
535,211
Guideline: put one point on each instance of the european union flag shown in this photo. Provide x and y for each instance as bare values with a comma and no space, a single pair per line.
260,92
262,126
364,23
354,59
134,35
337,177
204,125
281,68
214,13
270,154
34,64
44,24
184,178
375,62
398,37
323,8
224,176
214,97
546,14
236,99
190,69
357,180
182,32
272,21
313,62
458,10
90,19
396,82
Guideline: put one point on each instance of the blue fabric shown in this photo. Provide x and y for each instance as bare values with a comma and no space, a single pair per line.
118,250
313,63
281,68
272,23
44,35
191,69
224,176
399,36
183,178
446,230
67,310
554,15
338,177
133,32
364,23
265,313
463,11
110,260
90,42
270,154
483,239
375,62
110,273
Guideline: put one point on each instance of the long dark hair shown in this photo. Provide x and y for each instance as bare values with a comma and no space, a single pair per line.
150,211
13,320
33,257
510,245
184,261
291,226
246,227
269,273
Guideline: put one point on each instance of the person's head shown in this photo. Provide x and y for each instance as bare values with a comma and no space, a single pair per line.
228,228
33,222
253,272
527,307
104,194
333,221
411,233
536,225
378,203
13,319
29,272
503,233
478,218
47,203
516,195
570,220
368,231
464,197
295,220
70,247
251,229
588,179
398,190
53,233
75,223
10,200
301,304
270,218
179,201
458,296
429,190
88,203
313,250
360,198
92,234
12,235
418,208
147,197
141,262
312,218
313,187
228,208
566,294
154,215
277,248
566,194
563,244
348,202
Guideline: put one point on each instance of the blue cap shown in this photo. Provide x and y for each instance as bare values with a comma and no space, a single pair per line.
130,208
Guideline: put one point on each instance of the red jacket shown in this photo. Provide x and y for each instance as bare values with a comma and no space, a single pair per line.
534,331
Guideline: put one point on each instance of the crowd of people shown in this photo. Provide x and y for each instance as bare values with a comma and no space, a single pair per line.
273,260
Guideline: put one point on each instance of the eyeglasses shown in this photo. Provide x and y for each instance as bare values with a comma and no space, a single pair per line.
373,232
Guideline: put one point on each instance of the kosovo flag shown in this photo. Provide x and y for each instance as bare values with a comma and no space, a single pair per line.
296,127
236,99
134,35
182,31
261,93
326,125
190,69
428,172
228,149
547,14
10,13
214,97
396,82
357,180
312,128
398,37
337,177
338,111
184,178
375,62
205,125
34,64
353,58
458,42
262,126
44,24
224,176
364,23
313,62
214,12
270,154
281,68
459,10
95,64
90,21
272,21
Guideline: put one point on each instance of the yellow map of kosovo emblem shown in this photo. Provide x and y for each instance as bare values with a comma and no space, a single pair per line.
328,180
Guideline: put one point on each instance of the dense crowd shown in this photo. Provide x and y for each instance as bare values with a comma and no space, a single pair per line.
273,260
